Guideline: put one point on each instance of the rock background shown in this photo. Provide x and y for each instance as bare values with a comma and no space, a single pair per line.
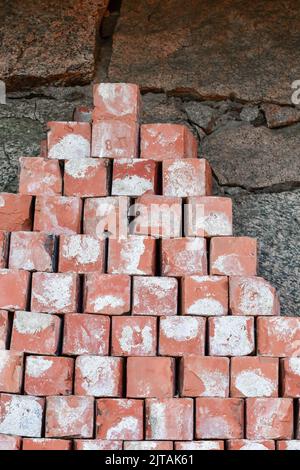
222,69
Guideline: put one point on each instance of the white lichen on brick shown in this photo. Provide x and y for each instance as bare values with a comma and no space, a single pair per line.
251,383
252,445
157,420
294,365
83,248
229,264
200,445
206,307
131,185
127,427
71,419
22,416
136,338
215,383
292,445
256,298
28,323
98,375
114,93
181,180
97,444
107,301
37,365
231,337
70,146
215,427
180,328
55,291
130,255
78,168
214,224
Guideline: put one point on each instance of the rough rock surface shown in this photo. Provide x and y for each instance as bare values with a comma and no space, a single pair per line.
53,43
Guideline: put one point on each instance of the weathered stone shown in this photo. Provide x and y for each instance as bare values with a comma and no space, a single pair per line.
249,113
209,49
202,115
55,43
157,107
254,157
279,116
274,219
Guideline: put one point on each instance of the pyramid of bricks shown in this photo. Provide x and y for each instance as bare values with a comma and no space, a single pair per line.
131,317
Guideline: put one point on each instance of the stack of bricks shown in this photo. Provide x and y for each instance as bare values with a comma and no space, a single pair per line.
124,331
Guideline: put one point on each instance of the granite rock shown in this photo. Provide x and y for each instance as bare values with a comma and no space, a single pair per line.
279,116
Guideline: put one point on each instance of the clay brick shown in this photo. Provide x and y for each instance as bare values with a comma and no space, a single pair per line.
204,376
134,255
219,418
106,217
99,376
21,415
15,212
251,295
134,336
205,295
278,336
167,141
148,445
269,418
179,336
158,216
290,377
83,114
244,444
32,251
233,256
115,138
58,215
70,417
86,334
184,256
43,148
119,419
154,295
11,371
10,442
81,254
185,178
254,377
46,444
14,287
134,177
45,375
107,293
208,216
39,177
4,244
116,101
86,177
54,292
4,329
68,140
169,419
97,444
288,445
199,445
150,377
35,333
231,336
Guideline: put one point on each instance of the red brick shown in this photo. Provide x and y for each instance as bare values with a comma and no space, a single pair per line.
21,415
4,328
116,101
184,256
106,216
199,445
158,216
32,251
150,377
70,417
205,295
107,293
179,336
290,377
231,336
233,256
169,419
86,334
244,444
219,418
97,444
39,177
288,445
251,295
58,215
36,333
269,418
68,140
208,216
134,336
4,244
134,255
46,444
115,138
11,371
45,375
81,254
167,141
54,292
86,177
148,445
278,336
14,287
83,114
254,377
99,376
189,177
120,419
43,148
134,177
10,442
15,212
154,295
204,376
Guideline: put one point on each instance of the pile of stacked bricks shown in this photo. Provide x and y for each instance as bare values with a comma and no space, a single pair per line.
137,334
